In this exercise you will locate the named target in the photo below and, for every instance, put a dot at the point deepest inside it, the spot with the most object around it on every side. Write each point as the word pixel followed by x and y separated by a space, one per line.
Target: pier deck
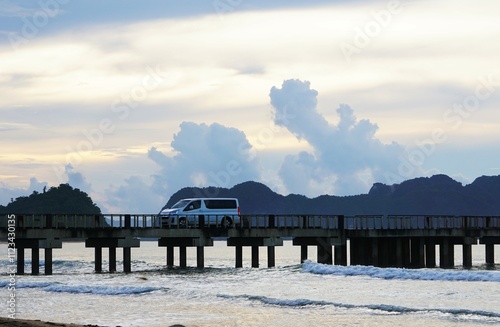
pixel 385 241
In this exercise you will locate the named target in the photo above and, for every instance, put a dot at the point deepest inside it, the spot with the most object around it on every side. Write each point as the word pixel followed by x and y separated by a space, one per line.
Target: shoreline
pixel 9 322
pixel 4 321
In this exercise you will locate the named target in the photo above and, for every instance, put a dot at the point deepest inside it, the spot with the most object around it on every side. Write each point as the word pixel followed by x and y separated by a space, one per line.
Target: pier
pixel 405 241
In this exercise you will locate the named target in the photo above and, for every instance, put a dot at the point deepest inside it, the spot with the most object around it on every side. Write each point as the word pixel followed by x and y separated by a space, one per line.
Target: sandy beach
pixel 35 323
pixel 38 323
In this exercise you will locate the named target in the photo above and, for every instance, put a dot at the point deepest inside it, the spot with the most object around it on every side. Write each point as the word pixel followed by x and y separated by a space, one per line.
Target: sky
pixel 131 101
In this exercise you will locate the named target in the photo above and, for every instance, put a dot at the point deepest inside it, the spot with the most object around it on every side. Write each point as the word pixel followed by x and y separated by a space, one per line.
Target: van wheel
pixel 227 222
pixel 182 222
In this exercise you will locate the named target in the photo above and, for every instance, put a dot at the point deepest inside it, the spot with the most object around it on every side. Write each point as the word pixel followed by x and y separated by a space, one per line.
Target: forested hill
pixel 436 195
pixel 58 200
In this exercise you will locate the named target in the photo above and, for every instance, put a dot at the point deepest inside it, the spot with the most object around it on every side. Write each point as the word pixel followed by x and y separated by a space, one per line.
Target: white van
pixel 200 212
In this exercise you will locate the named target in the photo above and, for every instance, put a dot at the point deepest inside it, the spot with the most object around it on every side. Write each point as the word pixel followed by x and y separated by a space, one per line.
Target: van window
pixel 180 204
pixel 220 204
pixel 193 205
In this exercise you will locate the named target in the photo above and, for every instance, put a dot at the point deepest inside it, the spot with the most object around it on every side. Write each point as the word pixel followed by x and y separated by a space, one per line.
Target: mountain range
pixel 436 195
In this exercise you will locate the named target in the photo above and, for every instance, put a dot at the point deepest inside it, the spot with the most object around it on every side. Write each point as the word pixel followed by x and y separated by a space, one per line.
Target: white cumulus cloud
pixel 346 157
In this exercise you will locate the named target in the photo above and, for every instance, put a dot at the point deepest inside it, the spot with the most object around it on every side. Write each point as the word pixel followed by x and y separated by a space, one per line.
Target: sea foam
pixel 402 273
pixel 82 289
pixel 375 308
pixel 101 290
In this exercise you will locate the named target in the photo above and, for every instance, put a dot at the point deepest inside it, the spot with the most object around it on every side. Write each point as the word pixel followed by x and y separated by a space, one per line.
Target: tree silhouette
pixel 63 199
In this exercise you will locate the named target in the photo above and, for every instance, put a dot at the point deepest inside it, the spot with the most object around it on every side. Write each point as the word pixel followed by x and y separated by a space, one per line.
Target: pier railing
pixel 331 222
pixel 392 222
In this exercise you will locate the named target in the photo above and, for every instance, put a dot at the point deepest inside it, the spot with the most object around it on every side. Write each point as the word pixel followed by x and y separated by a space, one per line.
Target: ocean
pixel 290 294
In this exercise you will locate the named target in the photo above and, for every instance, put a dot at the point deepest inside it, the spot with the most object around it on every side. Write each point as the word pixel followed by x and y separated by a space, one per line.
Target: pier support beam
pixel 387 249
pixel 35 245
pixel 35 261
pixel 254 243
pixel 200 256
pixel 170 256
pixel 98 259
pixel 324 248
pixel 451 255
pixel 430 254
pixel 20 261
pixel 402 254
pixel 112 259
pixel 112 244
pixel 303 253
pixel 340 258
pixel 467 255
pixel 127 258
pixel 239 256
pixel 354 246
pixel 374 252
pixel 417 252
pixel 325 254
pixel 183 243
pixel 490 254
pixel 48 261
pixel 182 256
pixel 271 257
pixel 446 254
pixel 255 256
pixel 406 247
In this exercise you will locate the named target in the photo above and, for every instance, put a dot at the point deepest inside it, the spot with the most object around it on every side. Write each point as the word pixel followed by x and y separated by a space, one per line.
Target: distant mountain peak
pixel 438 194
pixel 381 189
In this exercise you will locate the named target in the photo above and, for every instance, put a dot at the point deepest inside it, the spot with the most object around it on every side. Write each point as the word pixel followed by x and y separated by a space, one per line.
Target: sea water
pixel 290 294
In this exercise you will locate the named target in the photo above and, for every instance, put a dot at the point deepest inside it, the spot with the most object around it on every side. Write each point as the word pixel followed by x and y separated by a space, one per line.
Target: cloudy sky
pixel 131 101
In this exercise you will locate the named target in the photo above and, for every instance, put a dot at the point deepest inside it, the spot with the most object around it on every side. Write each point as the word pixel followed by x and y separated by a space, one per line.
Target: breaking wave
pixel 83 289
pixel 101 290
pixel 27 284
pixel 401 273
pixel 376 308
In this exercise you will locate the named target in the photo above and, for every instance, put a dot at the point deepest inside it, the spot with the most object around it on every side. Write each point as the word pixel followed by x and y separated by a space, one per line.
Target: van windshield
pixel 180 204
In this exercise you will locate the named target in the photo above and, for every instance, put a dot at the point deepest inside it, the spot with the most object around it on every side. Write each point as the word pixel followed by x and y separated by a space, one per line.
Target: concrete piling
pixel 446 254
pixel 375 252
pixel 112 244
pixel 20 261
pixel 271 257
pixel 340 257
pixel 325 254
pixel 127 258
pixel 417 259
pixel 239 256
pixel 200 256
pixel 430 254
pixel 98 259
pixel 112 259
pixel 254 243
pixel 255 256
pixel 35 260
pixel 48 261
pixel 303 253
pixel 170 256
pixel 183 243
pixel 490 254
pixel 467 255
pixel 182 256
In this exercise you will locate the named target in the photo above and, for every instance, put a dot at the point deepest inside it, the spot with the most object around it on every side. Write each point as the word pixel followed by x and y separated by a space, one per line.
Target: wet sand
pixel 35 323
pixel 4 322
